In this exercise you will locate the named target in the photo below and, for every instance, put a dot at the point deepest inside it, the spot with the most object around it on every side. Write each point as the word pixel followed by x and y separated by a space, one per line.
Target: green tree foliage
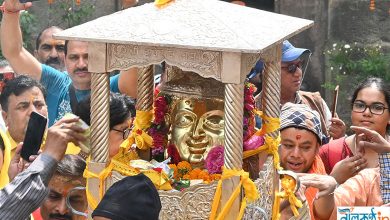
pixel 62 13
pixel 352 63
pixel 70 13
pixel 349 64
pixel 28 25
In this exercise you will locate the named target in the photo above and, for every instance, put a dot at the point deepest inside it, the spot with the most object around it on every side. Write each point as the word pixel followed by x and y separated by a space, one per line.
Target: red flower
pixel 174 154
pixel 161 103
pixel 158 169
pixel 249 107
pixel 159 140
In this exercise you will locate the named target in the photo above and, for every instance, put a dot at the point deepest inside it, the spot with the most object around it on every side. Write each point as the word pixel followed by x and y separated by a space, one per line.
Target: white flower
pixel 347 46
pixel 331 68
pixel 334 45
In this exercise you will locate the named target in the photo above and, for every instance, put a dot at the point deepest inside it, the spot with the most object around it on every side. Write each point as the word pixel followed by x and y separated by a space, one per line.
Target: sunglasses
pixel 292 68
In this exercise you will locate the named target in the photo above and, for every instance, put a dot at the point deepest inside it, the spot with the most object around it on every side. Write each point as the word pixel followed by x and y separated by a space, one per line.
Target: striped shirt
pixel 28 190
pixel 384 169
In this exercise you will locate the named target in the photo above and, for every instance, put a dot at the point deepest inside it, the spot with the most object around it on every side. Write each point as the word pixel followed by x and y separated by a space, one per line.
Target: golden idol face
pixel 197 126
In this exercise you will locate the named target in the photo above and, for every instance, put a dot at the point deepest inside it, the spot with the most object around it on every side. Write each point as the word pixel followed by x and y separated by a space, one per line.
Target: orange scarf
pixel 36 215
pixel 318 168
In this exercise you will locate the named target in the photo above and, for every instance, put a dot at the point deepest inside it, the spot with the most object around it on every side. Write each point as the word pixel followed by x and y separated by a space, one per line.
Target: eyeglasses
pixel 125 132
pixel 376 109
pixel 292 68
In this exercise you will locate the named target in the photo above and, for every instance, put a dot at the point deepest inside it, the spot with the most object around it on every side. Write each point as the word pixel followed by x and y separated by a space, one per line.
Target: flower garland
pixel 173 153
pixel 183 172
pixel 78 2
pixel 249 105
pixel 159 129
pixel 215 159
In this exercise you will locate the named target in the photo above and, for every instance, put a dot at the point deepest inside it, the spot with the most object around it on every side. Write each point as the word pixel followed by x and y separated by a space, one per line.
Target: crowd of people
pixel 335 169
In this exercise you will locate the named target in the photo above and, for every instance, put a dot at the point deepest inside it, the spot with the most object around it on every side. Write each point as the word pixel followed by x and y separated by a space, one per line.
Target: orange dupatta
pixel 317 168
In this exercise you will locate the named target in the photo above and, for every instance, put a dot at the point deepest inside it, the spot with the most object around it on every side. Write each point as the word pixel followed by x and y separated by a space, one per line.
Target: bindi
pixel 298 137
pixel 33 98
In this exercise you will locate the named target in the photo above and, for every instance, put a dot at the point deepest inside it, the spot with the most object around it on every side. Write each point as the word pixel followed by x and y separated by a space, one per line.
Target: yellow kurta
pixel 4 180
pixel 9 152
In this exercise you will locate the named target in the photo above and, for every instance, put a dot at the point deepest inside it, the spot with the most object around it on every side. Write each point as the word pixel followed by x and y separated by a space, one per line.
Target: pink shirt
pixel 359 190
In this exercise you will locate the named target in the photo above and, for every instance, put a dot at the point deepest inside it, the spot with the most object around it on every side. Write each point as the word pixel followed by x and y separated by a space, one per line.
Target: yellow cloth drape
pixel 162 3
pixel 138 135
pixel 271 144
pixel 251 193
pixel 72 149
pixel 288 194
pixel 4 179
pixel 270 125
pixel 93 202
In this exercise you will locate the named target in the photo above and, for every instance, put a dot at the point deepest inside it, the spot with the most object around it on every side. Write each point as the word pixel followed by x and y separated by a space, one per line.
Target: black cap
pixel 132 198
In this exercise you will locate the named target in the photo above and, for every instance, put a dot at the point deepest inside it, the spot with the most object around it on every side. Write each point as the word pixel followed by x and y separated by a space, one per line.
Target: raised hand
pixel 17 164
pixel 337 128
pixel 367 138
pixel 348 167
pixel 60 134
pixel 13 6
pixel 324 183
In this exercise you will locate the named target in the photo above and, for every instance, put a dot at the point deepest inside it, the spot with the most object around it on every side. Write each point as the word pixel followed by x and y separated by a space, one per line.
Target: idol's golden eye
pixel 183 120
pixel 214 122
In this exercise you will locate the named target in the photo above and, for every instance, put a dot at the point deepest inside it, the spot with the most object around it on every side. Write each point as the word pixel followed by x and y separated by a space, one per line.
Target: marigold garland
pixel 78 2
pixel 188 173
pixel 175 171
pixel 183 168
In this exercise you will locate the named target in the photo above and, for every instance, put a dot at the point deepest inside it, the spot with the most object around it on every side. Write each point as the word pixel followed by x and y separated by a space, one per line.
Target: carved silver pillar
pixel 234 109
pixel 145 88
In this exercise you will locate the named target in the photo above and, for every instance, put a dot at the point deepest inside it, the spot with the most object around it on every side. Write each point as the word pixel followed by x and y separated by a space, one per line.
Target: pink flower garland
pixel 158 130
pixel 215 159
pixel 249 105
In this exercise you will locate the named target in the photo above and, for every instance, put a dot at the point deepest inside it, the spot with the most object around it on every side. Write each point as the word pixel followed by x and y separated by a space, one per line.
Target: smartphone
pixel 25 1
pixel 335 97
pixel 33 139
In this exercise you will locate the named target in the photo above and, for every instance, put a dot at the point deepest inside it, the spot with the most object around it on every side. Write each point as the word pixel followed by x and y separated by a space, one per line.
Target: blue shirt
pixel 57 88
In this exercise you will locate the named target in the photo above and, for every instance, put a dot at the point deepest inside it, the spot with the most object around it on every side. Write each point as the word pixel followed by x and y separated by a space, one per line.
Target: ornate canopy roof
pixel 198 24
pixel 210 37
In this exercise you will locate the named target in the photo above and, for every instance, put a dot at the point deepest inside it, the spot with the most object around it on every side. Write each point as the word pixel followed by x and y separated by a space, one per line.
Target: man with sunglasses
pixel 293 66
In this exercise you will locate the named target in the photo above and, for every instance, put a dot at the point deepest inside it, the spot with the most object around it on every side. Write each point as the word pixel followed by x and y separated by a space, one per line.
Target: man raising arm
pixel 65 91
pixel 28 190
